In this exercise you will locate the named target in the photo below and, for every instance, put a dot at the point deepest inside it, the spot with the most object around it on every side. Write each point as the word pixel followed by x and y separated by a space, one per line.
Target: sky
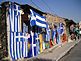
pixel 70 9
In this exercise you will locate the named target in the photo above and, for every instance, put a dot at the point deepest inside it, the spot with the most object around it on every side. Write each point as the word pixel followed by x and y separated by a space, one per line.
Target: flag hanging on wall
pixel 14 17
pixel 37 19
pixel 18 45
pixel 17 40
pixel 61 28
pixel 32 51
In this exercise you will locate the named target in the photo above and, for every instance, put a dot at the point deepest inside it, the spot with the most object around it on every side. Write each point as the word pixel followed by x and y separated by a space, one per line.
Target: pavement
pixel 55 53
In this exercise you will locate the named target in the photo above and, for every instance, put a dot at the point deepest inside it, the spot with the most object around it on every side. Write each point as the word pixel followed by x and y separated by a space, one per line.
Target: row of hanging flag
pixel 20 44
pixel 23 44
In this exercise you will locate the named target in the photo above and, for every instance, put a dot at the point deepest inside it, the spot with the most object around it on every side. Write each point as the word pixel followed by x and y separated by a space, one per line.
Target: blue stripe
pixel 13 46
pixel 16 50
pixel 14 22
pixel 42 22
pixel 19 50
pixel 21 39
pixel 17 24
pixel 16 45
pixel 10 45
pixel 22 47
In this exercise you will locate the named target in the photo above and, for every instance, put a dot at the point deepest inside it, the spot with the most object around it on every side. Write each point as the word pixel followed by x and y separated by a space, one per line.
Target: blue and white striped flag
pixel 37 19
pixel 33 44
pixel 17 39
pixel 61 28
pixel 33 48
pixel 18 45
pixel 15 18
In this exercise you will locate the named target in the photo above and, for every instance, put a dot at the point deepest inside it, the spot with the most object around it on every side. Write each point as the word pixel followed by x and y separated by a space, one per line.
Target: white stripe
pixel 43 45
pixel 18 49
pixel 26 41
pixel 34 45
pixel 33 18
pixel 61 27
pixel 38 17
pixel 26 48
pixel 21 37
pixel 16 23
pixel 12 45
pixel 32 15
pixel 32 12
pixel 15 45
pixel 13 20
pixel 40 24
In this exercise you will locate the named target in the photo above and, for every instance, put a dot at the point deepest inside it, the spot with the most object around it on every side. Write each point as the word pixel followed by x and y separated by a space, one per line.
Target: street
pixel 74 54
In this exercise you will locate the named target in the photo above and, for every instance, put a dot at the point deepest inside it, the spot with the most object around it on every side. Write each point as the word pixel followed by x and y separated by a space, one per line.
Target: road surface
pixel 74 54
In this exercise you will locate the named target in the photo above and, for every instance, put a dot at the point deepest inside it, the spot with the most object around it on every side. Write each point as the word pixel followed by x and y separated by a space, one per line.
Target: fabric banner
pixel 17 40
pixel 37 43
pixel 14 18
pixel 61 28
pixel 33 48
pixel 18 45
pixel 37 19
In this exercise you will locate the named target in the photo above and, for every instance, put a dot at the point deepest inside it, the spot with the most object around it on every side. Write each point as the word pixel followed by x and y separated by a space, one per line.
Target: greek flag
pixel 33 48
pixel 61 28
pixel 18 45
pixel 17 40
pixel 14 18
pixel 38 20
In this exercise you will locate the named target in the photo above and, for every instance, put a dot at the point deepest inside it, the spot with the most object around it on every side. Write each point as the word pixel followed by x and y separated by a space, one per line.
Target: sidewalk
pixel 55 53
